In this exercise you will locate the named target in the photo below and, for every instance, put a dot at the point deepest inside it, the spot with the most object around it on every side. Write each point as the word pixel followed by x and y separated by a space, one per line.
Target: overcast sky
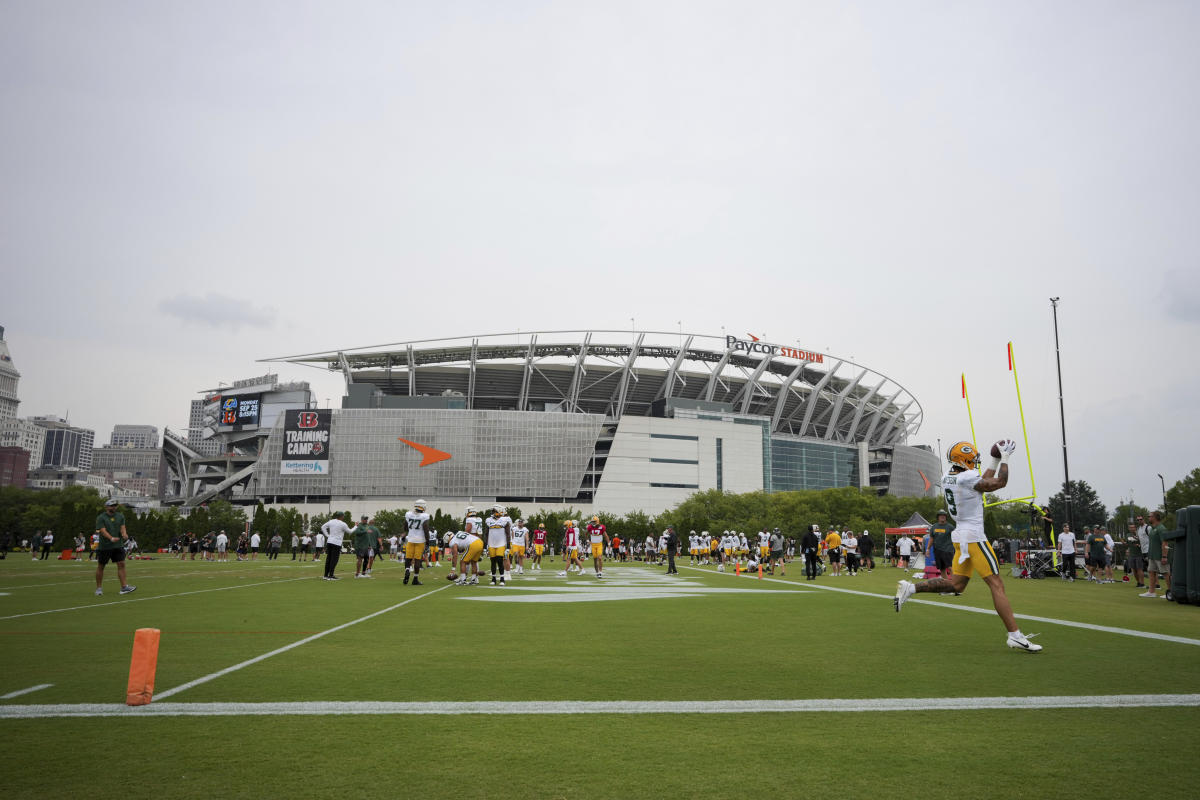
pixel 186 188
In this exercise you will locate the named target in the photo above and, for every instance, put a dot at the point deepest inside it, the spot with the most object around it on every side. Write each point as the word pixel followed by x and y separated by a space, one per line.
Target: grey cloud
pixel 215 310
pixel 1181 291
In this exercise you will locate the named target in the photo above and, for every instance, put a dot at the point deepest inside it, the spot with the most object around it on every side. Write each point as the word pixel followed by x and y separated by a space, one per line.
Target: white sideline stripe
pixel 571 707
pixel 30 690
pixel 190 684
pixel 153 597
pixel 1161 637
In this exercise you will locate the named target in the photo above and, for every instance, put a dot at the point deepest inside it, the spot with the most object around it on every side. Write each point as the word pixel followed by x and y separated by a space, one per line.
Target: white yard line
pixel 292 646
pixel 153 597
pixel 30 690
pixel 1162 637
pixel 959 705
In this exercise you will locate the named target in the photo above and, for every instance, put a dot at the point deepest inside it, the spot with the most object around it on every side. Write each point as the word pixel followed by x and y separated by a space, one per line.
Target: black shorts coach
pixel 116 555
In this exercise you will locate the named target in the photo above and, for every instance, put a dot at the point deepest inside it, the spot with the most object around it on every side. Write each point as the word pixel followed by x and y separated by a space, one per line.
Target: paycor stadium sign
pixel 754 345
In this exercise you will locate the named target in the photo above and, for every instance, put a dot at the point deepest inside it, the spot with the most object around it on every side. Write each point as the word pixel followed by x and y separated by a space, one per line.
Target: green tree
pixel 1184 493
pixel 1086 508
pixel 224 516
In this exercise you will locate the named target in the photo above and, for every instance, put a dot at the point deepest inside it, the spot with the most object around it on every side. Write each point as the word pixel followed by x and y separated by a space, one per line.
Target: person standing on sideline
pixel 110 526
pixel 1066 549
pixel 810 548
pixel 255 543
pixel 334 532
pixel 1135 561
pixel 850 543
pixel 416 522
pixel 1155 555
pixel 905 548
pixel 273 548
pixel 943 547
pixel 364 547
pixel 47 543
pixel 833 546
pixel 295 544
pixel 499 537
pixel 963 487
pixel 222 547
pixel 320 544
pixel 867 545
pixel 776 543
pixel 34 545
pixel 672 545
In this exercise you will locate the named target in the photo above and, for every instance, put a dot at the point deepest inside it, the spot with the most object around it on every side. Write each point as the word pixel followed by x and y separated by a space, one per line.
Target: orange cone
pixel 760 570
pixel 142 667
pixel 738 569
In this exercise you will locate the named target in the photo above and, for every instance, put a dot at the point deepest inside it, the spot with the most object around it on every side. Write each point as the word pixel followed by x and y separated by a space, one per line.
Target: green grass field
pixel 541 653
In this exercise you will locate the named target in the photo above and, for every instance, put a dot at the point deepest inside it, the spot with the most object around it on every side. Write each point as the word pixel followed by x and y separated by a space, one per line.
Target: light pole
pixel 1164 488
pixel 1062 416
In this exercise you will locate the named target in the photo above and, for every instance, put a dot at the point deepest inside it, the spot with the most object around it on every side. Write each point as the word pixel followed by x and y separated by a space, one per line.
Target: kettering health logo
pixel 304 467
pixel 756 345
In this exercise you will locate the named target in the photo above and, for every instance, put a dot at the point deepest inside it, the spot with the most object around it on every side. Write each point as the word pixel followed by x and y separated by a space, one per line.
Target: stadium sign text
pixel 755 346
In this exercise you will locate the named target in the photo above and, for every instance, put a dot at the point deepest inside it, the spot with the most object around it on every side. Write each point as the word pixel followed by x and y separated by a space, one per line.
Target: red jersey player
pixel 598 538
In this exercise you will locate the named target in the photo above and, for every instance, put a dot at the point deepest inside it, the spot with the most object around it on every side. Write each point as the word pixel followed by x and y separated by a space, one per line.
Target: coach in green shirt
pixel 1155 557
pixel 110 527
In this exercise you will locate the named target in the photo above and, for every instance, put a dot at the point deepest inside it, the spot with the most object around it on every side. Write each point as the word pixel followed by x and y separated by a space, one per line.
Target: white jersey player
pixel 963 488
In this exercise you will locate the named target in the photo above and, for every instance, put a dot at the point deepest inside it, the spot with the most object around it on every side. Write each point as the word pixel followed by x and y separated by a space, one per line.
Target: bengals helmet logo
pixel 306 419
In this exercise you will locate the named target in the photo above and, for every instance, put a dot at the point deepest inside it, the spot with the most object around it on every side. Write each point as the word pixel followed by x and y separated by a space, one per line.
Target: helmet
pixel 541 525
pixel 471 510
pixel 419 505
pixel 520 522
pixel 497 509
pixel 596 520
pixel 963 454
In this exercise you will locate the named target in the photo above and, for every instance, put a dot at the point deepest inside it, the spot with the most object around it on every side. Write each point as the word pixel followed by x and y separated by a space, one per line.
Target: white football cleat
pixel 1019 641
pixel 904 591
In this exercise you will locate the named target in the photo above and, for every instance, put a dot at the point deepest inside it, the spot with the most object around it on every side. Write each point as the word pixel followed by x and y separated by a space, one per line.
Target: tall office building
pixel 9 377
pixel 66 445
pixel 143 436
pixel 133 470
pixel 198 422
pixel 26 435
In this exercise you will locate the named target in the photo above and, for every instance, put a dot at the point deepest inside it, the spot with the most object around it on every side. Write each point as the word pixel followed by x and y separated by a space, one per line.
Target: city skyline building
pixel 66 446
pixel 142 436
pixel 9 379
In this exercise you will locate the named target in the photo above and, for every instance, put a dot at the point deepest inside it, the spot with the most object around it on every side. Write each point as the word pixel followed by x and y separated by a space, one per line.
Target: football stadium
pixel 614 421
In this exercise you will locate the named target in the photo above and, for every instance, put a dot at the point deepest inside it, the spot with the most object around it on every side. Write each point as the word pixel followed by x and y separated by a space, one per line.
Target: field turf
pixel 794 679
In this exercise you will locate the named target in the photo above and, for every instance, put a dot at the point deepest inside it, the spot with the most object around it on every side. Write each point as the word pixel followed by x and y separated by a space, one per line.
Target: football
pixel 450 576
pixel 996 449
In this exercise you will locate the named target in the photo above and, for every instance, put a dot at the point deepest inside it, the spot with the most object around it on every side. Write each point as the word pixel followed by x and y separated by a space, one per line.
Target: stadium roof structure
pixel 611 372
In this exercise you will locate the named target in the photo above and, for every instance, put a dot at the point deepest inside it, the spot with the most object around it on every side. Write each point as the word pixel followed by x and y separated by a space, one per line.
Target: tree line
pixel 73 510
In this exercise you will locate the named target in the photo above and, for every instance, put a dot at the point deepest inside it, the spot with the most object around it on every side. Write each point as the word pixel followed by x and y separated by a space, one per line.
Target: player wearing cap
pixel 416 522
pixel 963 487
pixel 110 527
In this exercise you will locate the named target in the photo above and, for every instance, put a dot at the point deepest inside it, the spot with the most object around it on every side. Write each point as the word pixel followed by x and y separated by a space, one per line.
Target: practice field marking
pixel 623 584
pixel 30 690
pixel 1162 637
pixel 155 597
pixel 572 707
pixel 219 673
pixel 88 577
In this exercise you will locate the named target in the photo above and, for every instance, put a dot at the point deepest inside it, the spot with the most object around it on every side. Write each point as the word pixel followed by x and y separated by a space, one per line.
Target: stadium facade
pixel 613 421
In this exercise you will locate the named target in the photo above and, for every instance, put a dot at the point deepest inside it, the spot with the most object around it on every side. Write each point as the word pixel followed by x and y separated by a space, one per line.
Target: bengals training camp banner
pixel 305 442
